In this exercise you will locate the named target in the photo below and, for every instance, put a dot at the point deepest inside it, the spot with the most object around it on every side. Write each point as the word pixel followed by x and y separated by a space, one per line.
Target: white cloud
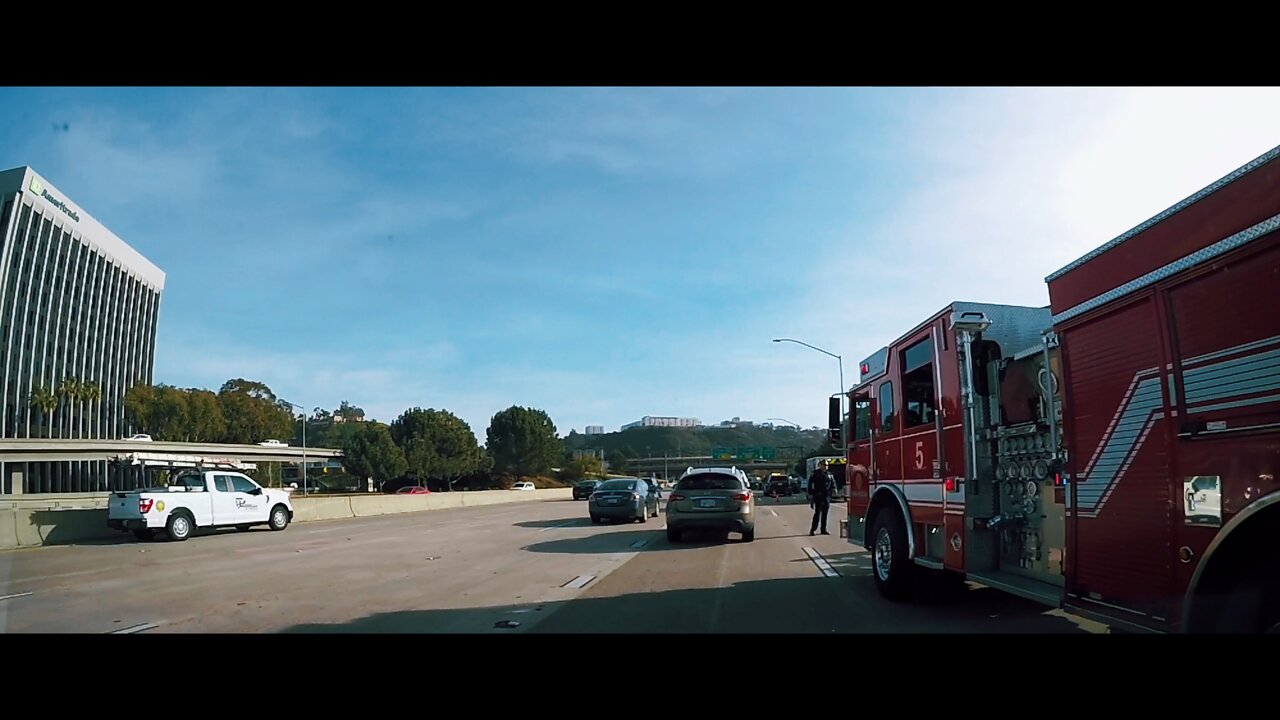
pixel 1012 187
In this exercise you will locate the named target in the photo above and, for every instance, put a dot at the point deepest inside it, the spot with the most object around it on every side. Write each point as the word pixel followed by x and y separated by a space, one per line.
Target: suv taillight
pixel 743 496
pixel 144 505
pixel 675 496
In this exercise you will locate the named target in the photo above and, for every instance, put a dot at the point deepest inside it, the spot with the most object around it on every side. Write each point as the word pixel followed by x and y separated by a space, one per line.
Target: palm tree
pixel 68 393
pixel 46 402
pixel 89 392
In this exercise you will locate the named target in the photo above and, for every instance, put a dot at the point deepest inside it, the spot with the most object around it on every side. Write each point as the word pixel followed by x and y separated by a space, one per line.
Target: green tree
pixel 169 415
pixel 618 461
pixel 92 394
pixel 337 435
pixel 437 444
pixel 252 388
pixel 523 441
pixel 349 412
pixel 68 397
pixel 205 416
pixel 45 401
pixel 253 413
pixel 582 467
pixel 370 452
pixel 139 404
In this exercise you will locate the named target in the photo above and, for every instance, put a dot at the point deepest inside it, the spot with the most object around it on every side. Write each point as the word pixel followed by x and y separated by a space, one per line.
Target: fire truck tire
pixel 1253 605
pixel 890 565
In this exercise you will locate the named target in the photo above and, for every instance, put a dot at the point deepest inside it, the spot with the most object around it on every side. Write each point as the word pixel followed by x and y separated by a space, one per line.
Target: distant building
pixel 654 421
pixel 595 430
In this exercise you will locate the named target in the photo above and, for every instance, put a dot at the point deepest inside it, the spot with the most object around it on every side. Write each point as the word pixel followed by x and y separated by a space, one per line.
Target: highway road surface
pixel 538 567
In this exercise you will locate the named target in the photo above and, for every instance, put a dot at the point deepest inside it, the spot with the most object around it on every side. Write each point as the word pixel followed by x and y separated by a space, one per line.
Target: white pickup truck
pixel 199 499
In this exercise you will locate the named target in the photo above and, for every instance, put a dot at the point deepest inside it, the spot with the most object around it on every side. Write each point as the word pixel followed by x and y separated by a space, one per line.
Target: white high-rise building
pixel 78 311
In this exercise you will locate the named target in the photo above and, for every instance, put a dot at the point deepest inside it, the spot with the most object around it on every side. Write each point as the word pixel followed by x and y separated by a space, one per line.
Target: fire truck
pixel 1115 453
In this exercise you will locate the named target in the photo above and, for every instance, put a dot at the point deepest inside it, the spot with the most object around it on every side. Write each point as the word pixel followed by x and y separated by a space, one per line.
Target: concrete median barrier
pixel 321 508
pixel 63 520
pixel 8 529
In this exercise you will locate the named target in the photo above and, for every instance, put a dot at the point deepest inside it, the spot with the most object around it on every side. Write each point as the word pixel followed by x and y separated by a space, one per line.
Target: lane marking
pixel 15 595
pixel 134 629
pixel 553 527
pixel 821 562
pixel 639 544
pixel 579 582
pixel 773 512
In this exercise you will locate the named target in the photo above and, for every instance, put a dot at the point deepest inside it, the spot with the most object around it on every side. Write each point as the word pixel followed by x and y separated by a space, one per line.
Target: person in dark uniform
pixel 821 485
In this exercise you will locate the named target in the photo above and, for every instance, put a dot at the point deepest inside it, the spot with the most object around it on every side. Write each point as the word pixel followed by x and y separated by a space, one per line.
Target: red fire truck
pixel 1116 453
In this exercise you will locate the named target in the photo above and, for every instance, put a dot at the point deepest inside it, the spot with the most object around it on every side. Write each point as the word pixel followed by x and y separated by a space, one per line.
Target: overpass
pixel 674 466
pixel 46 450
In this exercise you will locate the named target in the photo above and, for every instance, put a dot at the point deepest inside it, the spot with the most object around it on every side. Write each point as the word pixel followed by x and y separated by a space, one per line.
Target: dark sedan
pixel 583 490
pixel 624 499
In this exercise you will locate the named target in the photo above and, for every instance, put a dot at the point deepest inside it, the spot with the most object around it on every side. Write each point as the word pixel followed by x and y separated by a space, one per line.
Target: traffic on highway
pixel 539 565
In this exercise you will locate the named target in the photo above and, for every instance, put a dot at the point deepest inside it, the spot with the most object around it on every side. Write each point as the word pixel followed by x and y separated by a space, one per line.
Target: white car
pixel 139 438
pixel 525 485
pixel 273 443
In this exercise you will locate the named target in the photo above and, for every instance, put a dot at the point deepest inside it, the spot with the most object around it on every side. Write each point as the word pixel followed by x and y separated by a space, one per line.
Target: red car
pixel 413 490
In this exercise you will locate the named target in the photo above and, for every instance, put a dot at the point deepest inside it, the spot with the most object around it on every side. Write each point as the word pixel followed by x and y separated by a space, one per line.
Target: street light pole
pixel 840 362
pixel 304 444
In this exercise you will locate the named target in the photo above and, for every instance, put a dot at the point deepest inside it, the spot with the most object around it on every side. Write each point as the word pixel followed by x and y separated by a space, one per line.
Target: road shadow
pixel 655 541
pixel 75 527
pixel 562 522
pixel 811 605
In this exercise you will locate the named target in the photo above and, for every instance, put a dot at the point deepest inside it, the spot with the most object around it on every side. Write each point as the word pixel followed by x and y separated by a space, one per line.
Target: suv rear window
pixel 709 481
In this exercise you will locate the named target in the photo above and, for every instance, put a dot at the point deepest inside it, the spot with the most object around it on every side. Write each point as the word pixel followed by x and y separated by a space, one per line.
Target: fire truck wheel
pixel 1253 605
pixel 891 567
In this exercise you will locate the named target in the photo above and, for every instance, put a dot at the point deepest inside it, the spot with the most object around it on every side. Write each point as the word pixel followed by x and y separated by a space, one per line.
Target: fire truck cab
pixel 939 482
pixel 1117 452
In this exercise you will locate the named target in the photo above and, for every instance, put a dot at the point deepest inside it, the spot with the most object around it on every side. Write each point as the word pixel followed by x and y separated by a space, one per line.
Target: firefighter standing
pixel 821 485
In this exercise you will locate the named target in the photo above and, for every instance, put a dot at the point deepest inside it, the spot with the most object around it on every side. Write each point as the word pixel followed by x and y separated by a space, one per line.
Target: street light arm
pixel 798 342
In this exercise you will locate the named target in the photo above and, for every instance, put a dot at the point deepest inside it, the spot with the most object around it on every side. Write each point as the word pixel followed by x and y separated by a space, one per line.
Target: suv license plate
pixel 708 503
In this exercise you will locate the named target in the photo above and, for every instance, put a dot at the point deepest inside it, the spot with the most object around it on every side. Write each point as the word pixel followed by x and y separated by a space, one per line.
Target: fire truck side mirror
pixel 833 420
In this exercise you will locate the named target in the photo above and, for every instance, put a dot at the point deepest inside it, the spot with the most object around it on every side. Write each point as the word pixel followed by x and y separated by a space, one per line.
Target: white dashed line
pixel 821 562
pixel 773 512
pixel 15 595
pixel 579 582
pixel 639 544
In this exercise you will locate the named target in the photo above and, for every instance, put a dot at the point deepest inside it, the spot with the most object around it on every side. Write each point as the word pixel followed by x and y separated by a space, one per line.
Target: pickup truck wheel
pixel 279 518
pixel 179 527
pixel 144 535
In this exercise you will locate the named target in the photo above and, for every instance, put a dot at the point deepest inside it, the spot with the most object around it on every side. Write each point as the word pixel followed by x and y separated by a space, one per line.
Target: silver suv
pixel 712 498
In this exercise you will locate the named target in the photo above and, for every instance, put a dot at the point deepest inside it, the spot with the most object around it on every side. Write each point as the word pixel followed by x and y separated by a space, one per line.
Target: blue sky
pixel 603 253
